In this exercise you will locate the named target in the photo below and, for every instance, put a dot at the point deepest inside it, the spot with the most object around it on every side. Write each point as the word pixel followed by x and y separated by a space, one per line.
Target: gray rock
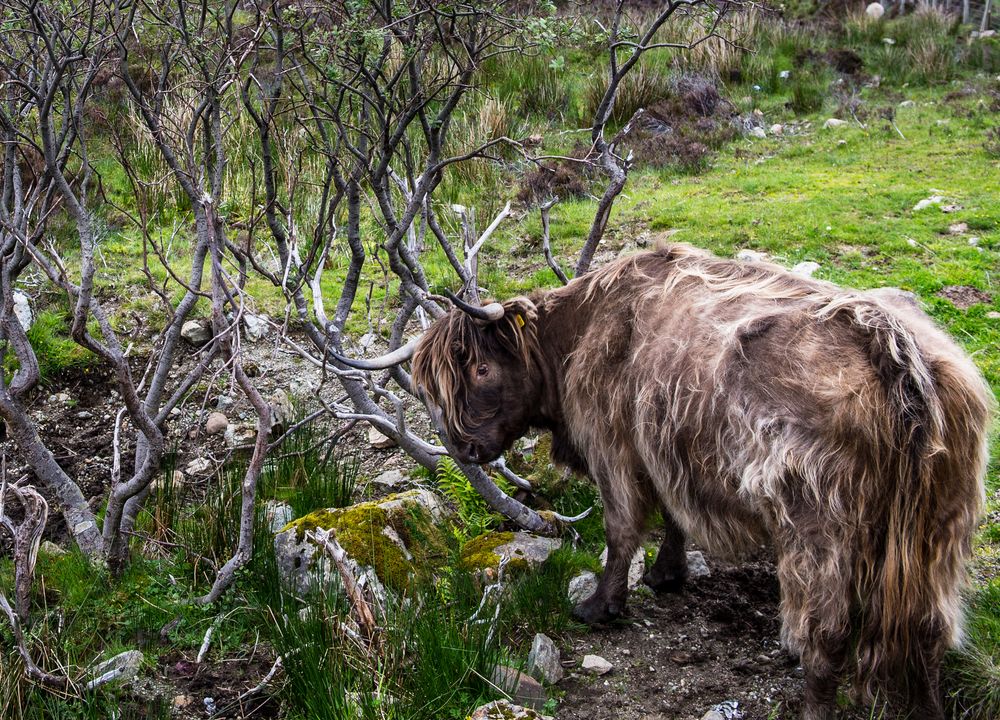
pixel 928 202
pixel 255 326
pixel 196 332
pixel 120 668
pixel 834 123
pixel 635 569
pixel 523 689
pixel 533 549
pixel 22 310
pixel 758 132
pixel 282 410
pixel 302 566
pixel 379 441
pixel 596 665
pixel 777 129
pixel 907 104
pixel 697 567
pixel 277 515
pixel 726 710
pixel 176 481
pixel 51 549
pixel 390 479
pixel 216 423
pixel 544 660
pixel 806 269
pixel 198 466
pixel 582 586
pixel 750 256
pixel 993 315
pixel 505 710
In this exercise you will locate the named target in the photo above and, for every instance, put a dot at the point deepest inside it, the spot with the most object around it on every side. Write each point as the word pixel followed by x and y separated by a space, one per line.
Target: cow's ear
pixel 520 311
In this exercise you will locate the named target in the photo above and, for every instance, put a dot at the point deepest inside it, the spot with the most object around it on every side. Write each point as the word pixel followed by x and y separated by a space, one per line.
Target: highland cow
pixel 748 404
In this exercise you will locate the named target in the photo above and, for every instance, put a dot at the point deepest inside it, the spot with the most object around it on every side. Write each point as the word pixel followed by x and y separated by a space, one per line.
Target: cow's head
pixel 477 368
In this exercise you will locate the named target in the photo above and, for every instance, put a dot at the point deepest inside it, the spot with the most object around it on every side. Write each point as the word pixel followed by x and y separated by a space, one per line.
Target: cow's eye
pixel 483 370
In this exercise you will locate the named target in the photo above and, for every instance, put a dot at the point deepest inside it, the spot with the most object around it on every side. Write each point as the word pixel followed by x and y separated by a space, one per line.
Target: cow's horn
pixel 491 312
pixel 397 356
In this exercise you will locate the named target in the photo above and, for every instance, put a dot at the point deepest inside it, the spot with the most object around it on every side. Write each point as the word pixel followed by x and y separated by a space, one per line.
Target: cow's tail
pixel 913 566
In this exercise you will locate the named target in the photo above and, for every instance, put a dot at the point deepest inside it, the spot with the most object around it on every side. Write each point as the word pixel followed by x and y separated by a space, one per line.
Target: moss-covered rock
pixel 399 537
pixel 524 551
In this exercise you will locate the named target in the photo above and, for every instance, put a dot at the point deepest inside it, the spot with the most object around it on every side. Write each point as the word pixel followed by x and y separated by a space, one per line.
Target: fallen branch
pixel 362 610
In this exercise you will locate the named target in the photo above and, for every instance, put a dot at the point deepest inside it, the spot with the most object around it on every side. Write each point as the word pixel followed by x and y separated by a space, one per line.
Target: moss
pixel 359 529
pixel 480 553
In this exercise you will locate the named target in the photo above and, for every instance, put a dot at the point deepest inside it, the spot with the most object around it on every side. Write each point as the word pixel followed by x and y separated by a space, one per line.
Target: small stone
pixel 907 104
pixel 176 480
pixel 277 515
pixel 125 666
pixel 84 415
pixel 758 132
pixel 888 41
pixel 806 269
pixel 198 466
pixel 544 660
pixel 777 129
pixel 993 315
pixel 216 423
pixel 196 332
pixel 256 326
pixel 523 689
pixel 22 310
pixel 950 208
pixel 390 479
pixel 635 569
pixel 725 710
pixel 750 256
pixel 582 586
pixel 181 701
pixel 51 549
pixel 973 241
pixel 596 665
pixel 282 410
pixel 505 710
pixel 928 202
pixel 875 10
pixel 958 228
pixel 379 441
pixel 697 567
pixel 834 123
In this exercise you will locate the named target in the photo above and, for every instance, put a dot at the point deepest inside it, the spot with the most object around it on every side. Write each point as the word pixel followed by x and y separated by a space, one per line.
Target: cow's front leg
pixel 670 570
pixel 623 519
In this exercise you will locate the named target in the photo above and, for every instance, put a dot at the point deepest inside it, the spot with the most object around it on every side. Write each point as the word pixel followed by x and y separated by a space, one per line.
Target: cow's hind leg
pixel 670 570
pixel 624 513
pixel 815 619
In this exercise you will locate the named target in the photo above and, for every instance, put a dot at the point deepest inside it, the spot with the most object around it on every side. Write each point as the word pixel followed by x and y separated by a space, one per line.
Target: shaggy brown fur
pixel 750 404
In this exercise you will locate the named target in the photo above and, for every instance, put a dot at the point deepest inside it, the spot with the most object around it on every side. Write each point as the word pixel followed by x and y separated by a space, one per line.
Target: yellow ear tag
pixel 519 319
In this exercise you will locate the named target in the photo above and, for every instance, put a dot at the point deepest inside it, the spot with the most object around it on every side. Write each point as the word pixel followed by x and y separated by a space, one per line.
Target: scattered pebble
pixel 806 268
pixel 928 202
pixel 834 123
pixel 758 132
pixel 777 129
pixel 958 228
pixel 582 586
pixel 596 665
pixel 697 567
pixel 379 441
pixel 751 256
pixel 875 10
pixel 216 423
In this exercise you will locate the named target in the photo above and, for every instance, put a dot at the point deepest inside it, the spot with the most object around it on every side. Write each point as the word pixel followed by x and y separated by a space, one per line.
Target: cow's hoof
pixel 596 611
pixel 664 583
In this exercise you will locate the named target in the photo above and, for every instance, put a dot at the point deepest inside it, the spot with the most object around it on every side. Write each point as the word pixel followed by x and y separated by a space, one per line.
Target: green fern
pixel 473 511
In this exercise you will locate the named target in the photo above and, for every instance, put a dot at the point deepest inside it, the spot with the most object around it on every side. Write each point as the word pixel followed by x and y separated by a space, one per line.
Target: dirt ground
pixel 679 655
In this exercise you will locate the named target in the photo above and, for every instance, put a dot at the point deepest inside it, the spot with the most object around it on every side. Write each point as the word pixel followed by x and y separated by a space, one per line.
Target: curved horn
pixel 491 312
pixel 397 356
